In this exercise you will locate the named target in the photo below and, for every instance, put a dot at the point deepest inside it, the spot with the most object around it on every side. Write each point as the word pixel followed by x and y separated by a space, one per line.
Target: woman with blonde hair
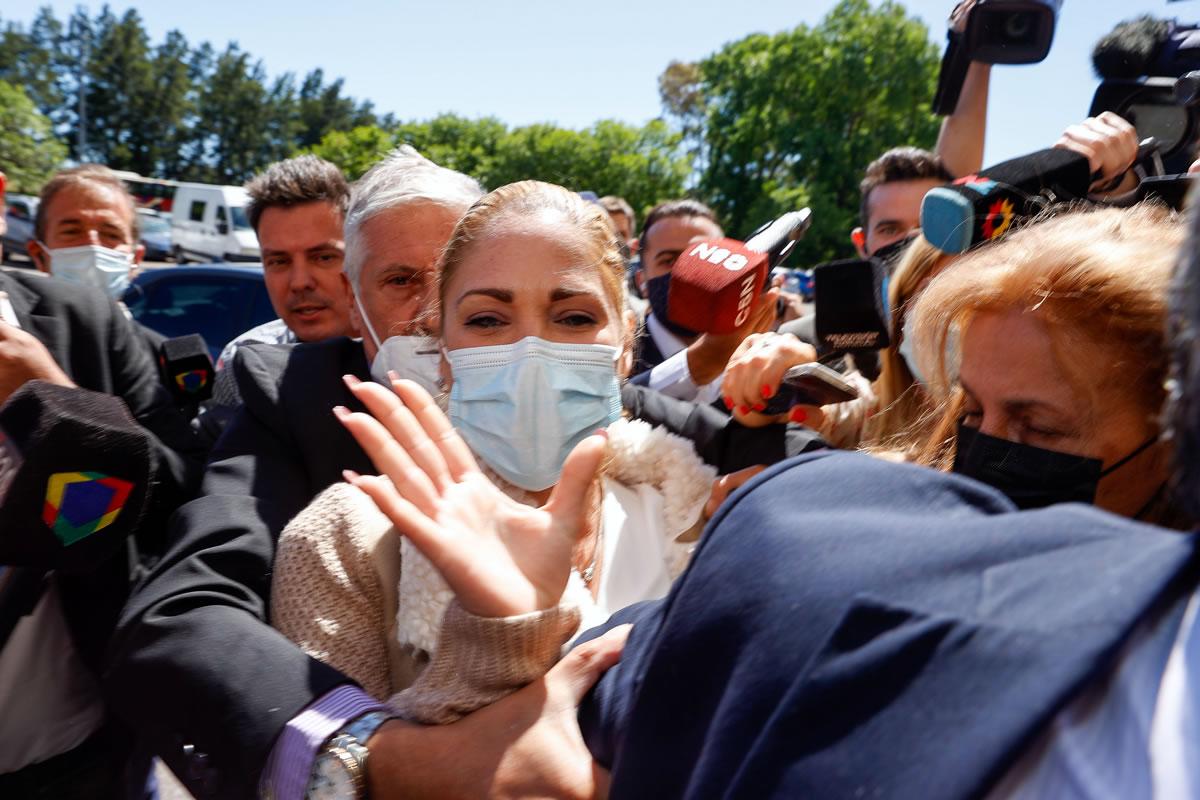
pixel 1054 388
pixel 535 339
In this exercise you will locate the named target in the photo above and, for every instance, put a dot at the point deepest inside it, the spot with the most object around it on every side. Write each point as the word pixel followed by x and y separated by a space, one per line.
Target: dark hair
pixel 84 175
pixel 900 164
pixel 304 179
pixel 1183 406
pixel 675 208
pixel 619 205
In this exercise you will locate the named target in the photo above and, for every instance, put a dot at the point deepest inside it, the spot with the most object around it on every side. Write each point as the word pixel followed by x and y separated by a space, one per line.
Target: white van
pixel 208 223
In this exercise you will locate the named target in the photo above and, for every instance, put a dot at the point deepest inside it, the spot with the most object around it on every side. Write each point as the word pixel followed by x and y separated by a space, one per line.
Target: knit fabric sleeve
pixel 325 592
pixel 479 660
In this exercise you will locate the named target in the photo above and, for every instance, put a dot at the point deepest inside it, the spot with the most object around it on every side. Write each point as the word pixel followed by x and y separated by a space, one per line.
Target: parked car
pixel 209 223
pixel 216 301
pixel 18 216
pixel 156 235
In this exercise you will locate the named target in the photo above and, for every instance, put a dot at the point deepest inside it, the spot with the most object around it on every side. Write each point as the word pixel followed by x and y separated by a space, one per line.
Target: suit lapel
pixel 49 329
pixel 905 702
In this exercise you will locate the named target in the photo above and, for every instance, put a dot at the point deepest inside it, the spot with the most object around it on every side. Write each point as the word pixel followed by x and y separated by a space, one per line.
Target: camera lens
pixel 1018 26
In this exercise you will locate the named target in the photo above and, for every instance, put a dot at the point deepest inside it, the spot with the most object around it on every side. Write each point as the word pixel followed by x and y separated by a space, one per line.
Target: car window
pixel 240 221
pixel 153 224
pixel 196 212
pixel 220 213
pixel 212 306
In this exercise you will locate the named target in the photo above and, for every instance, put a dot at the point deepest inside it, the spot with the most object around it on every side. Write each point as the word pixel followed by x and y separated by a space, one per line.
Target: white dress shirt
pixel 673 377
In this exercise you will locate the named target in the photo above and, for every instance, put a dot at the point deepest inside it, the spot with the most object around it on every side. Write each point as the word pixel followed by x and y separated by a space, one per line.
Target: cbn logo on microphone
pixel 80 503
pixel 723 256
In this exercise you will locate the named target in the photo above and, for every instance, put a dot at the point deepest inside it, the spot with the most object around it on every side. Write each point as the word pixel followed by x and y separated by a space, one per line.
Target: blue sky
pixel 573 63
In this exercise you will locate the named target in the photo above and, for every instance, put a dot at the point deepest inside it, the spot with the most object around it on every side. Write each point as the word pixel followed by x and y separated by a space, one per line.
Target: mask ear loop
pixel 363 313
pixel 1137 452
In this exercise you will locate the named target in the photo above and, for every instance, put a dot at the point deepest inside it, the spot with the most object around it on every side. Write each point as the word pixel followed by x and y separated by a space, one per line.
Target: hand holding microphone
pixel 1110 144
pixel 22 359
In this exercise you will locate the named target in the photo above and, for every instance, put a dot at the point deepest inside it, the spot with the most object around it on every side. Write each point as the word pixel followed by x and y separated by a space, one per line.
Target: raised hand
pixel 501 558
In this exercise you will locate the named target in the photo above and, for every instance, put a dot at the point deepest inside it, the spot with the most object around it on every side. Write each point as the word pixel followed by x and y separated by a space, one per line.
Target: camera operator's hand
pixel 500 557
pixel 1110 145
pixel 709 354
pixel 23 359
pixel 958 17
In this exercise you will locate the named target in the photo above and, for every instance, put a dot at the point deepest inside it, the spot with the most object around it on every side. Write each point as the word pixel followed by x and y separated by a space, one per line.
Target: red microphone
pixel 714 283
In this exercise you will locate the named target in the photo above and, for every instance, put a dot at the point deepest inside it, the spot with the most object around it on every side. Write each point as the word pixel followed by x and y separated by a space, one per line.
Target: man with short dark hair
pixel 670 358
pixel 892 190
pixel 623 218
pixel 297 208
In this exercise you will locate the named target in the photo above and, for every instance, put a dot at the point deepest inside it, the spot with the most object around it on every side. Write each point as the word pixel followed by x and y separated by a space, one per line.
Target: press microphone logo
pixel 193 381
pixel 998 220
pixel 721 256
pixel 80 503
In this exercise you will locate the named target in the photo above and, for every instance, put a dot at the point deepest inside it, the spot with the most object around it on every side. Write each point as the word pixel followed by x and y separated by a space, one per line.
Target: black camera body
pixel 1153 107
pixel 1011 31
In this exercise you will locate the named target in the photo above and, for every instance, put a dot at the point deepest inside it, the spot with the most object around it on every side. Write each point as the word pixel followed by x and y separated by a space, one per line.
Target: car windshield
pixel 239 218
pixel 154 224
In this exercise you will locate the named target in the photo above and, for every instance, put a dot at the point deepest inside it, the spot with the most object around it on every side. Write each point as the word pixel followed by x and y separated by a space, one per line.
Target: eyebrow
pixel 1017 405
pixel 503 295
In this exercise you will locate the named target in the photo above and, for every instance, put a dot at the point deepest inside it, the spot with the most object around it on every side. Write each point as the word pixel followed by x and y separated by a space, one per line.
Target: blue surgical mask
pixel 92 265
pixel 523 407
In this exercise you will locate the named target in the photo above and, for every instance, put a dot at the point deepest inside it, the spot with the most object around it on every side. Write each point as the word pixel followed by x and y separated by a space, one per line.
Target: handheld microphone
pixel 852 306
pixel 979 208
pixel 187 368
pixel 75 472
pixel 714 283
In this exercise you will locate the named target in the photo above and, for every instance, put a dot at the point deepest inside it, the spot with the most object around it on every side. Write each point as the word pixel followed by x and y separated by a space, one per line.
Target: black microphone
pixel 187 368
pixel 75 473
pixel 852 305
pixel 979 208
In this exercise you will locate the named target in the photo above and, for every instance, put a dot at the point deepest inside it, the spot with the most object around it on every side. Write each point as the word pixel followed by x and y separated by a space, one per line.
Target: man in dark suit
pixel 74 336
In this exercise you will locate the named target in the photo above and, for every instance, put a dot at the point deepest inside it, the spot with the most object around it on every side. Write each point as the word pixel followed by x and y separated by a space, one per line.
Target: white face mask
pixel 907 352
pixel 92 265
pixel 415 358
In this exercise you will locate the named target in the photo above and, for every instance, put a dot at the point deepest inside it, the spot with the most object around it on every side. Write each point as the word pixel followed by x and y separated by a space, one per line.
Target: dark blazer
pixel 646 356
pixel 100 349
pixel 854 628
pixel 195 662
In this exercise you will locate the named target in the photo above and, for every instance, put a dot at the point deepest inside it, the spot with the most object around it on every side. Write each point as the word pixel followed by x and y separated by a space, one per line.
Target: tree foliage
pixel 642 164
pixel 791 118
pixel 29 153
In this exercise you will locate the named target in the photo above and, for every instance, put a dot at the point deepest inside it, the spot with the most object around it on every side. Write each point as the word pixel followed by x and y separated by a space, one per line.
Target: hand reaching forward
pixel 501 558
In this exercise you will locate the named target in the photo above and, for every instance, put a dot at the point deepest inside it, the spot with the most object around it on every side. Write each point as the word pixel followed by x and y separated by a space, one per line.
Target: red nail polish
pixel 729 403
pixel 766 392
pixel 760 407
pixel 798 415
pixel 743 409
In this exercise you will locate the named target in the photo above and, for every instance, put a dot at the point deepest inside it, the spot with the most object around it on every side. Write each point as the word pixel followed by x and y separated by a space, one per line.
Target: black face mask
pixel 1032 477
pixel 890 254
pixel 657 290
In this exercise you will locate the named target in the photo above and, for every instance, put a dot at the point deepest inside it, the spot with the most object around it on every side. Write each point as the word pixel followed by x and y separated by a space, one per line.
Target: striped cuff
pixel 286 774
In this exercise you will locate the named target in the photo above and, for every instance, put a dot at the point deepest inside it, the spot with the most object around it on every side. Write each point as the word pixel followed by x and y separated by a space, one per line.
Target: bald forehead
pixel 89 204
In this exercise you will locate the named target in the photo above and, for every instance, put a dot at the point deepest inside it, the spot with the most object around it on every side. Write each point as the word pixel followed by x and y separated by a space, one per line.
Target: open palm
pixel 500 557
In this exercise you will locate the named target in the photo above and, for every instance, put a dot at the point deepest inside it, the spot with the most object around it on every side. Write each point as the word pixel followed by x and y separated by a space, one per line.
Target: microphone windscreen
pixel 979 208
pixel 851 305
pixel 77 476
pixel 714 285
pixel 187 367
pixel 1131 48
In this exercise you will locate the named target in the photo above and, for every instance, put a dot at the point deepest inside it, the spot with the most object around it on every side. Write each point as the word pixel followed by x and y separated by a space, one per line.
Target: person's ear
pixel 859 237
pixel 356 326
pixel 39 255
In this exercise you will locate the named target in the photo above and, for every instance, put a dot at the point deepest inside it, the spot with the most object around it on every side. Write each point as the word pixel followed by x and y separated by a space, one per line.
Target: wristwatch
pixel 340 769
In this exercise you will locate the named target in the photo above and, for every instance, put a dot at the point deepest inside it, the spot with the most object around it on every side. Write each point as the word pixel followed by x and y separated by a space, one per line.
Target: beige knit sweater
pixel 338 568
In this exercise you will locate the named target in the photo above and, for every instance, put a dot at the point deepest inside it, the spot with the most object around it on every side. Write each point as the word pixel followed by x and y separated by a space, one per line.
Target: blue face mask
pixel 523 407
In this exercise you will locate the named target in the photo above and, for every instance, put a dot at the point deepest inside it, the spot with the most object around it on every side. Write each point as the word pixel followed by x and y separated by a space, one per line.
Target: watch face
pixel 331 780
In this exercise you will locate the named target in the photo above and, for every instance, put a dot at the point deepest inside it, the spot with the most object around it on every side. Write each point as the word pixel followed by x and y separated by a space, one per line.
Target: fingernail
pixel 798 415
pixel 760 407
pixel 728 403
pixel 350 381
pixel 350 475
pixel 743 409
pixel 766 392
pixel 601 432
pixel 341 412
pixel 393 376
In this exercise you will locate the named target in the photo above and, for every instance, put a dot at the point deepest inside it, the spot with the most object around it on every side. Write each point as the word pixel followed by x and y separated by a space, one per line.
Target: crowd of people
pixel 475 517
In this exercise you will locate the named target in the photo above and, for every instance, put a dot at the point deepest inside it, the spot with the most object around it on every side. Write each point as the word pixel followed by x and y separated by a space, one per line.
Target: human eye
pixel 576 319
pixel 484 321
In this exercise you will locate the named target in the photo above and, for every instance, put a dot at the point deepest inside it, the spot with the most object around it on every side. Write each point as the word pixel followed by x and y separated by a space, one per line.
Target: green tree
pixel 466 145
pixel 29 152
pixel 795 117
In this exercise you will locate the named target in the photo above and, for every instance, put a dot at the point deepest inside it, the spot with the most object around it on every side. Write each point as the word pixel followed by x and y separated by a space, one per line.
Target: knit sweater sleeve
pixel 479 660
pixel 326 594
